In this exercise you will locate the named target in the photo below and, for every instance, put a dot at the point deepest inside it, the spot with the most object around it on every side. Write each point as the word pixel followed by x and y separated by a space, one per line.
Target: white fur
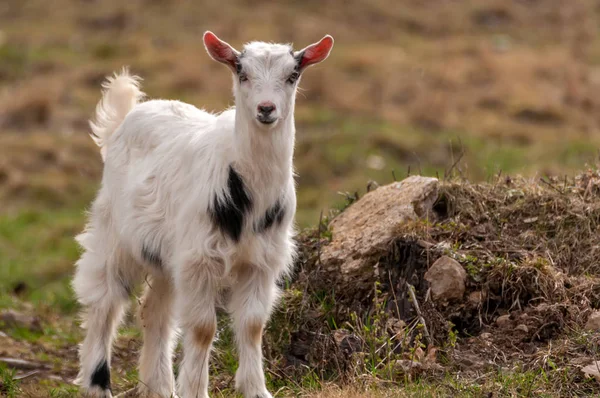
pixel 165 163
pixel 120 94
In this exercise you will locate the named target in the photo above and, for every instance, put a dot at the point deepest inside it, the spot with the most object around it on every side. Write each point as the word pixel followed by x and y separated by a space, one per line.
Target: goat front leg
pixel 196 287
pixel 251 302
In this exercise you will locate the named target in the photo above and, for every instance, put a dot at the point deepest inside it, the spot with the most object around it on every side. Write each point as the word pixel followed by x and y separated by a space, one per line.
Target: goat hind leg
pixel 104 299
pixel 156 317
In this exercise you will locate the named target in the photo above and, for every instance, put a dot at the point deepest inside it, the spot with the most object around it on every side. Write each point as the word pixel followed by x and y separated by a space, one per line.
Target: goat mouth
pixel 266 120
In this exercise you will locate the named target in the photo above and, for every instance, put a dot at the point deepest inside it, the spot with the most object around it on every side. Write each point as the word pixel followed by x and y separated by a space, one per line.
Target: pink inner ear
pixel 219 50
pixel 316 53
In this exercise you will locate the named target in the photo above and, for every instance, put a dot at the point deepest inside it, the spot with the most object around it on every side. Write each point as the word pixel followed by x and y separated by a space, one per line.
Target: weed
pixel 8 384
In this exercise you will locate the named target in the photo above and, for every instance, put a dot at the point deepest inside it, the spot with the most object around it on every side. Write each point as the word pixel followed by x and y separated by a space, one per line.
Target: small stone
pixel 592 370
pixel 395 326
pixel 347 341
pixel 16 319
pixel 476 298
pixel 407 365
pixel 522 328
pixel 593 322
pixel 446 278
pixel 503 321
pixel 424 244
pixel 580 361
pixel 485 336
pixel 470 361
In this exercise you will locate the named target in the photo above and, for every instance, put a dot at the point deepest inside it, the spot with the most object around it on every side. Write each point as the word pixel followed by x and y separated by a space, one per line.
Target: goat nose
pixel 266 108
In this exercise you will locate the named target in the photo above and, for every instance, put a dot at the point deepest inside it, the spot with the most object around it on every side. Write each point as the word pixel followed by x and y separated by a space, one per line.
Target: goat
pixel 200 204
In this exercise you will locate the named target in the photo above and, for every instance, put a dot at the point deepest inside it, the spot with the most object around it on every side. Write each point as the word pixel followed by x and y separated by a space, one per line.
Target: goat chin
pixel 196 201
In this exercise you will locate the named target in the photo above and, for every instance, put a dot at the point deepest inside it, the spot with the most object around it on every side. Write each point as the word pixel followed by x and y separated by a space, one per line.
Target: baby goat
pixel 202 204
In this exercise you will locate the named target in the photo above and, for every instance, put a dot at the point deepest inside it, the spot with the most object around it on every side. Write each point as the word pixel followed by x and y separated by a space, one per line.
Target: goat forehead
pixel 260 55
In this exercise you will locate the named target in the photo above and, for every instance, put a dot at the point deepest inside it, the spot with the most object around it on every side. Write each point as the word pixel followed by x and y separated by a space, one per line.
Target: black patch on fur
pixel 238 63
pixel 151 257
pixel 101 376
pixel 273 215
pixel 298 59
pixel 228 214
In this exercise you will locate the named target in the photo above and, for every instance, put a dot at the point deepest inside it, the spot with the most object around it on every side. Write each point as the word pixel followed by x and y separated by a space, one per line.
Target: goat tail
pixel 120 93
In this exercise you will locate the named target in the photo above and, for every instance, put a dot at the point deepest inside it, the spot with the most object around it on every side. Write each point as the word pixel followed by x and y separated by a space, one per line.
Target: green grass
pixel 36 244
pixel 64 391
pixel 39 250
pixel 333 151
pixel 9 386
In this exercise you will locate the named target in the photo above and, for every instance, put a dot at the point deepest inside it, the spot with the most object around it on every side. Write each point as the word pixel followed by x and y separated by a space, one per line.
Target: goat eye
pixel 293 77
pixel 243 77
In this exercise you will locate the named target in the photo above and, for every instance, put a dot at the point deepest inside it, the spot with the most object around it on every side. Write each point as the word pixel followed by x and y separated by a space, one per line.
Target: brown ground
pixel 513 84
pixel 531 253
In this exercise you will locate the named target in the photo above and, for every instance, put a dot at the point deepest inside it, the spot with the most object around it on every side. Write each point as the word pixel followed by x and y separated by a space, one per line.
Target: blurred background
pixel 476 87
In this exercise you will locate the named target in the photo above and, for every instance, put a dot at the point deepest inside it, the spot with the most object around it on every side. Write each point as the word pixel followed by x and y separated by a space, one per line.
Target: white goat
pixel 202 204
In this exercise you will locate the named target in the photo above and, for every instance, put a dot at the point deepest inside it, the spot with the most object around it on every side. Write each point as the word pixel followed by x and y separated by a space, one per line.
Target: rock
pixel 470 361
pixel 395 326
pixel 476 298
pixel 485 336
pixel 347 341
pixel 503 321
pixel 522 328
pixel 15 319
pixel 365 229
pixel 592 370
pixel 593 322
pixel 580 361
pixel 408 366
pixel 446 278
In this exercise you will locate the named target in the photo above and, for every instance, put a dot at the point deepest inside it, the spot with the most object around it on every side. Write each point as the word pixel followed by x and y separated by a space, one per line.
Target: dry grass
pixel 405 79
pixel 530 249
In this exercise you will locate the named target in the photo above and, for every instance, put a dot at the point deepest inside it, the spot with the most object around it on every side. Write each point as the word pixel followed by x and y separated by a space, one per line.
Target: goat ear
pixel 314 53
pixel 219 50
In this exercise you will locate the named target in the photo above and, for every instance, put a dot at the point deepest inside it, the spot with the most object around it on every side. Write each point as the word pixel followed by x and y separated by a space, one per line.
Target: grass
pixel 481 88
pixel 38 253
pixel 9 386
pixel 48 235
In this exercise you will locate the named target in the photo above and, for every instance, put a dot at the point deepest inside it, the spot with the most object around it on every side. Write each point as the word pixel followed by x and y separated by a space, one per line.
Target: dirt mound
pixel 531 254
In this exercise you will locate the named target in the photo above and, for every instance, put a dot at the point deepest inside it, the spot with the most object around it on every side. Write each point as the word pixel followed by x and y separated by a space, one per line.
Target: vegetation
pixel 531 256
pixel 468 91
pixel 408 85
